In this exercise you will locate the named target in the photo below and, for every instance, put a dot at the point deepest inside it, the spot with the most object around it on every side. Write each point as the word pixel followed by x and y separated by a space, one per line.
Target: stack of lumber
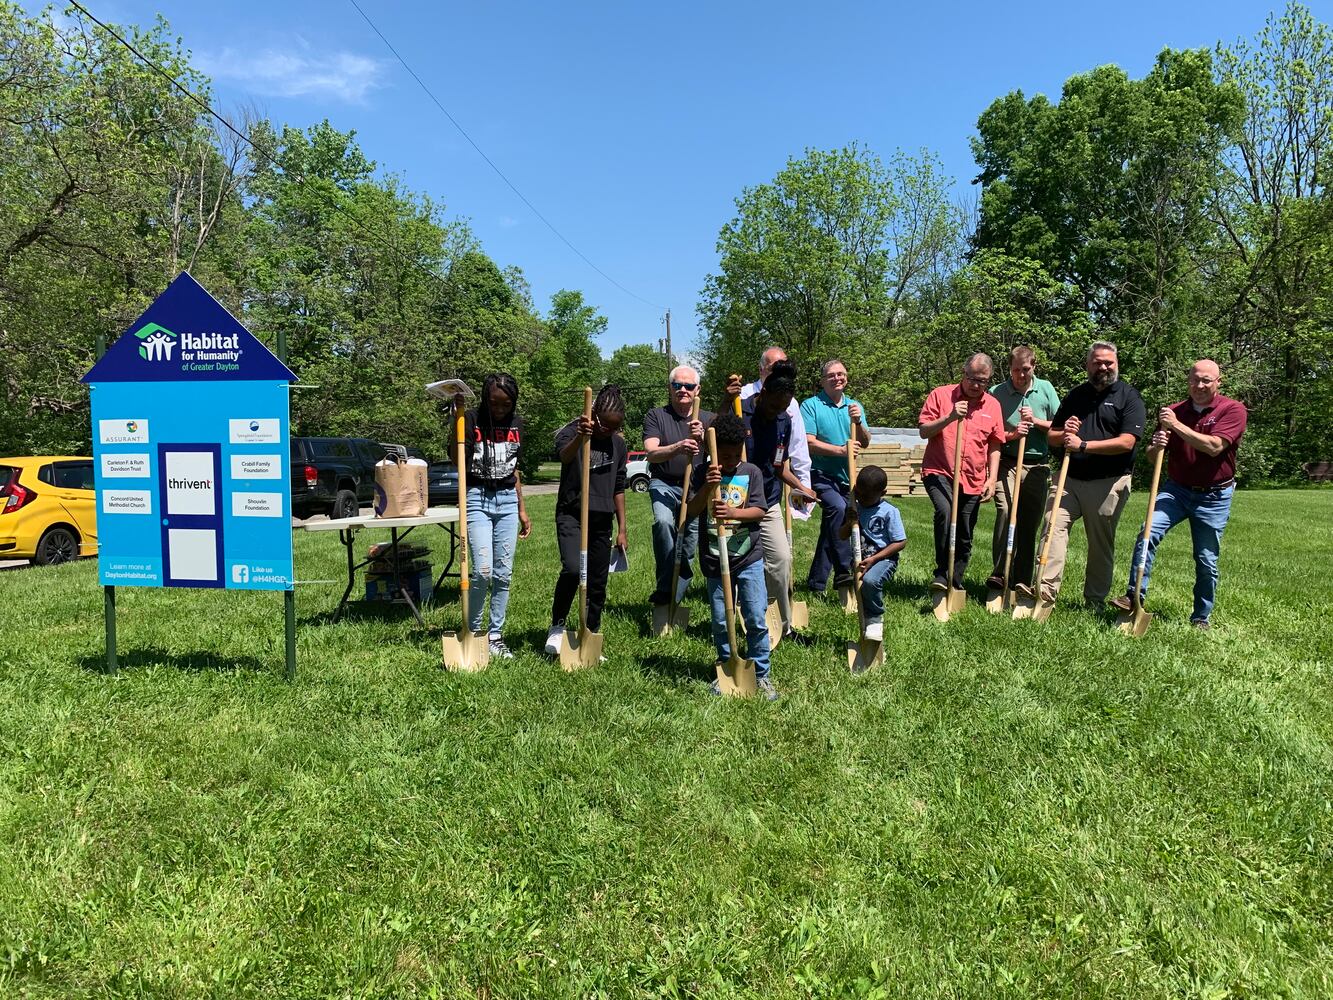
pixel 902 465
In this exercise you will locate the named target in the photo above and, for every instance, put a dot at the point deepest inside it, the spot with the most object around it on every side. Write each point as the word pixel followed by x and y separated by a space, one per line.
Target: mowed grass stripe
pixel 1003 810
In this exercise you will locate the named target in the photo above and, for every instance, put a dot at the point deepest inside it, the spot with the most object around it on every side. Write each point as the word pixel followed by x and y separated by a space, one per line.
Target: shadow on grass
pixel 362 611
pixel 198 661
pixel 678 668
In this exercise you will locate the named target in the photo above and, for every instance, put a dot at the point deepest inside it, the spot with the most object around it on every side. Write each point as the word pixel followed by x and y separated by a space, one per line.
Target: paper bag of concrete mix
pixel 399 488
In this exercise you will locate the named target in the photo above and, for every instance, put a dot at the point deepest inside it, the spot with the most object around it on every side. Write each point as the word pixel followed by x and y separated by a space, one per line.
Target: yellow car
pixel 48 510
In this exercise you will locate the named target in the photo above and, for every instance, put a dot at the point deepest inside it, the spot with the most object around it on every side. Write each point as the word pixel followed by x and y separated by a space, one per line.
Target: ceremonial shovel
pixel 735 676
pixel 950 601
pixel 1136 621
pixel 1032 606
pixel 997 601
pixel 462 649
pixel 669 616
pixel 583 648
pixel 863 653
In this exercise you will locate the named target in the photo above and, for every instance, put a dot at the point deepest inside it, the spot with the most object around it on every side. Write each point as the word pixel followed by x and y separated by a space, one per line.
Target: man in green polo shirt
pixel 1028 404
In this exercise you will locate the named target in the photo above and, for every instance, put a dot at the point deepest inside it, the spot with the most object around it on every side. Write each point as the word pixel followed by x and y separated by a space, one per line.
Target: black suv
pixel 333 475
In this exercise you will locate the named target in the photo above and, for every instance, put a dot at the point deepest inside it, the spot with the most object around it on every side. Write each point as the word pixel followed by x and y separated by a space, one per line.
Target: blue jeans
pixel 492 532
pixel 666 500
pixel 872 587
pixel 751 607
pixel 1207 514
pixel 831 552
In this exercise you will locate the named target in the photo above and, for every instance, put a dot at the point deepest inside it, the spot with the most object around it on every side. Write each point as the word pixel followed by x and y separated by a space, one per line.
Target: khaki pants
pixel 777 561
pixel 1099 503
pixel 1031 507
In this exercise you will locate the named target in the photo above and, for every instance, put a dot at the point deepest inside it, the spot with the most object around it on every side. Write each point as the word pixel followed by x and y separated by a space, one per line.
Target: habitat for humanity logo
pixel 157 342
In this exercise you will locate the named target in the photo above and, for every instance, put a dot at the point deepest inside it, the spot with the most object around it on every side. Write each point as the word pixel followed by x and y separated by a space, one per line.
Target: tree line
pixel 1181 215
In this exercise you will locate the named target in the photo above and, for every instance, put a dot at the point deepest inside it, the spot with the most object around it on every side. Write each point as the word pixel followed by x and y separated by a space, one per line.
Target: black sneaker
pixel 939 585
pixel 844 580
pixel 1123 603
pixel 995 583
pixel 657 598
pixel 498 648
pixel 1200 623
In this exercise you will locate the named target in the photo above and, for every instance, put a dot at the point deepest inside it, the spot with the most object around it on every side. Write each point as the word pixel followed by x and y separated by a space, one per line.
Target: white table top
pixel 435 515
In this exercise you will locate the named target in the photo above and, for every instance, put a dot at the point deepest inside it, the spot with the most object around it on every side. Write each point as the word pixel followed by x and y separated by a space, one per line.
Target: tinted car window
pixel 44 474
pixel 6 474
pixel 74 475
pixel 371 451
pixel 334 448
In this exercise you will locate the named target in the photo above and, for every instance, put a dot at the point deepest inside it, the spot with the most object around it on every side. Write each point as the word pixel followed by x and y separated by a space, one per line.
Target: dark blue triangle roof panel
pixel 186 335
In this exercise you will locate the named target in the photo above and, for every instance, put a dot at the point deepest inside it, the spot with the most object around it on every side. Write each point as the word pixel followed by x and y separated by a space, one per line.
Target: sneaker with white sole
pixel 766 689
pixel 875 631
pixel 555 636
pixel 498 648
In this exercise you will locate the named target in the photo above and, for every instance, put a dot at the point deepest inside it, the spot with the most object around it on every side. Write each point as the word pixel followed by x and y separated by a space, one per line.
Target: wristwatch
pixel 1082 447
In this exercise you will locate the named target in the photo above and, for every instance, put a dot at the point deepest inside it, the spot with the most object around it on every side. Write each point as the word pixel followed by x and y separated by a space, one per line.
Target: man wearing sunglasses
pixel 672 441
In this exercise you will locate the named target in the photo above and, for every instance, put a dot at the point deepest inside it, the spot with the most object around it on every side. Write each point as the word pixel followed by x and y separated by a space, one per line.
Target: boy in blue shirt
pixel 882 537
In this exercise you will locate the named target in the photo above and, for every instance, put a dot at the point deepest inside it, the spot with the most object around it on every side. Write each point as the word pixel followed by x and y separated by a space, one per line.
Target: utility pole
pixel 668 339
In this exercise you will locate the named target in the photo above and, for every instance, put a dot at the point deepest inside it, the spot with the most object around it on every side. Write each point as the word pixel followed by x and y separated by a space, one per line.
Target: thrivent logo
pixel 157 342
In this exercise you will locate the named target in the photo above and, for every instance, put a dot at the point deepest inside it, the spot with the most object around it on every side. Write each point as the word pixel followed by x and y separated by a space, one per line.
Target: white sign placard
pixel 127 501
pixel 127 430
pixel 190 485
pixel 256 505
pixel 131 465
pixel 192 553
pixel 255 430
pixel 256 466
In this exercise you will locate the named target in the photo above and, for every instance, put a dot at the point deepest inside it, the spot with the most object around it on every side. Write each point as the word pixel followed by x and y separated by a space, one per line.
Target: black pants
pixel 940 489
pixel 599 563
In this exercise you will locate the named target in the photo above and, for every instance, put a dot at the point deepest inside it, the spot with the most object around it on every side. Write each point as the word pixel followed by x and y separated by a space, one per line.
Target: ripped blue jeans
pixel 492 533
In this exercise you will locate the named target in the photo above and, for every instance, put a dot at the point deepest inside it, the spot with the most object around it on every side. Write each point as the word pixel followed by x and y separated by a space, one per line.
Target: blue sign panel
pixel 191 451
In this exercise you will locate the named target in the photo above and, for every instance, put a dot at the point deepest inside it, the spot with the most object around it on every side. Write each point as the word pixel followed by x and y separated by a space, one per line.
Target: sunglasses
pixel 691 386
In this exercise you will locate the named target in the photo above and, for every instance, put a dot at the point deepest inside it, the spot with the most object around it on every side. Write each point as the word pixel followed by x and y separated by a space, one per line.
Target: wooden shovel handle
pixel 953 503
pixel 1147 527
pixel 460 432
pixel 723 556
pixel 1050 521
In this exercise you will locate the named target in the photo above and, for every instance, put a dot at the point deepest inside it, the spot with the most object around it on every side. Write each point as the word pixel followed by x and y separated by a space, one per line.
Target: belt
pixel 668 480
pixel 1208 489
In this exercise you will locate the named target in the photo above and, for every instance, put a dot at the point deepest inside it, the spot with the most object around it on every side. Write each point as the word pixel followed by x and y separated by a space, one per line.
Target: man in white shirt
pixel 799 454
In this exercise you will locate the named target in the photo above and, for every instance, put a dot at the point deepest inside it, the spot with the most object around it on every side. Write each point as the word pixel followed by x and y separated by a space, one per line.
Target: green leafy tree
pixel 644 385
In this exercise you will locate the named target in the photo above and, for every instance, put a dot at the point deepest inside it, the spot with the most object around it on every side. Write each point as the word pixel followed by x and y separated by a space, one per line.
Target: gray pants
pixel 777 561
pixel 1099 502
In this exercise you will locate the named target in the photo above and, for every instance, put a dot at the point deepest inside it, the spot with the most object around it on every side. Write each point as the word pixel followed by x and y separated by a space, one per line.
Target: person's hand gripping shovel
pixel 583 648
pixel 1135 621
pixel 463 650
pixel 672 616
pixel 949 600
pixel 735 676
pixel 863 653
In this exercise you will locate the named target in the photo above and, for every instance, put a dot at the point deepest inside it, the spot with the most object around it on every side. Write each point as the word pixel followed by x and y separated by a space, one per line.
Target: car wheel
pixel 345 505
pixel 639 484
pixel 58 545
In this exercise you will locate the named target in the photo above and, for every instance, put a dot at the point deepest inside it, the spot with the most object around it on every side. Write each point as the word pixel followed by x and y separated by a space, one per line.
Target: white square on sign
pixel 191 487
pixel 192 553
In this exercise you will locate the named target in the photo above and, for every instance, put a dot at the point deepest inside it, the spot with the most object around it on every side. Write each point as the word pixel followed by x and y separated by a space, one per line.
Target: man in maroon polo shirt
pixel 1200 435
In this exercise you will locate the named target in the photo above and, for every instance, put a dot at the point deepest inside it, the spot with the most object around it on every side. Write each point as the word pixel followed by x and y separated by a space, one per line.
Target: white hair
pixel 671 376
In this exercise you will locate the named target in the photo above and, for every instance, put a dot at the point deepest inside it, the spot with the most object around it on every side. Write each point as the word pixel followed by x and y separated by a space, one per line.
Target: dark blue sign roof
pixel 187 336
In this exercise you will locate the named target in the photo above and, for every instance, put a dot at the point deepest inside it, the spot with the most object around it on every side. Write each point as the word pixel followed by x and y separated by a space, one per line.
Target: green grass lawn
pixel 1004 809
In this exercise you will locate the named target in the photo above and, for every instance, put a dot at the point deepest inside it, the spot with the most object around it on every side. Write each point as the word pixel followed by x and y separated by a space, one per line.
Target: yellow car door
pixel 73 482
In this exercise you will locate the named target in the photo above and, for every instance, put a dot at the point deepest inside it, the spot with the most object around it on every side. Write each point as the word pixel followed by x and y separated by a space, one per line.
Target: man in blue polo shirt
pixel 829 417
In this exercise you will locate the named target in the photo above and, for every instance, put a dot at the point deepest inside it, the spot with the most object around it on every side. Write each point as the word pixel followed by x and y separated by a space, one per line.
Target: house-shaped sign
pixel 191 453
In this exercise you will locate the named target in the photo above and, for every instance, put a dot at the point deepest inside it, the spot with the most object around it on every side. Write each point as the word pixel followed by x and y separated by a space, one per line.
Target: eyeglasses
pixel 691 386
pixel 976 381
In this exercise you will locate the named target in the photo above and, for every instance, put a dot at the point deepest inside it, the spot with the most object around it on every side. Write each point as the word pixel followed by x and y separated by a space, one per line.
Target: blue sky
pixel 631 126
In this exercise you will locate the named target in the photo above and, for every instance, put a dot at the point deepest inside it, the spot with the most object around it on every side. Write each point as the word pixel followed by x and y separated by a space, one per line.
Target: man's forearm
pixel 1209 444
pixel 929 428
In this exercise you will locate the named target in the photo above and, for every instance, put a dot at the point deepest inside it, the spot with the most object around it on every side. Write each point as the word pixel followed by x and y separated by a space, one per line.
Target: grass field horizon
pixel 1004 809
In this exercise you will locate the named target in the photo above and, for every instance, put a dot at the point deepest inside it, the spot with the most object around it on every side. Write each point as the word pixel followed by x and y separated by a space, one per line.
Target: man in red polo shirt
pixel 983 434
pixel 1200 435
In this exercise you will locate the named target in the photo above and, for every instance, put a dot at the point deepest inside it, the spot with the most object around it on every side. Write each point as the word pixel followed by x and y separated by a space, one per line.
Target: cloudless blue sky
pixel 633 126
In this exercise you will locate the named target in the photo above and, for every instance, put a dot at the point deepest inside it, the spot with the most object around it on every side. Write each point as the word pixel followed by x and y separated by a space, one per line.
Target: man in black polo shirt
pixel 672 441
pixel 1100 424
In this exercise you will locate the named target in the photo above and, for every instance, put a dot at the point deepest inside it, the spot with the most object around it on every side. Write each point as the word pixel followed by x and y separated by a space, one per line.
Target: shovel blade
pixel 994 601
pixel 800 615
pixel 773 619
pixel 736 678
pixel 664 621
pixel 581 649
pixel 465 651
pixel 863 655
pixel 939 604
pixel 848 599
pixel 1134 623
pixel 1042 610
pixel 957 600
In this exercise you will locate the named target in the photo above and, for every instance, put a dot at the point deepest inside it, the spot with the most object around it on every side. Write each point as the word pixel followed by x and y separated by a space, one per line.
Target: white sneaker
pixel 555 635
pixel 875 631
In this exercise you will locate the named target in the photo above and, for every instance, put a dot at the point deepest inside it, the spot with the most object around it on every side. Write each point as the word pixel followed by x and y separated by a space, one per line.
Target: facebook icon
pixel 240 573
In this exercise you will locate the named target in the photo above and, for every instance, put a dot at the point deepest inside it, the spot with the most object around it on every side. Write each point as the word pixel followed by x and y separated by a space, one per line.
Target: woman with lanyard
pixel 495 511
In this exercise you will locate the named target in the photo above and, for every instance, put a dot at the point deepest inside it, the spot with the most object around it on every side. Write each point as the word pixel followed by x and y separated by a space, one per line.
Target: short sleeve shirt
pixel 1041 397
pixel 767 446
pixel 881 526
pixel 661 422
pixel 1104 415
pixel 1223 417
pixel 742 487
pixel 982 427
pixel 832 425
pixel 606 476
pixel 493 452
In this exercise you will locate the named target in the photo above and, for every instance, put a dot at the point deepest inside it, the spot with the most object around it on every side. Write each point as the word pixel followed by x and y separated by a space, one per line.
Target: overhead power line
pixel 491 163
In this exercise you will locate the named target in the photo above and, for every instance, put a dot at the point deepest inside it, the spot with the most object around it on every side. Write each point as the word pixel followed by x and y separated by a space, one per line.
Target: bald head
pixel 1205 381
pixel 768 359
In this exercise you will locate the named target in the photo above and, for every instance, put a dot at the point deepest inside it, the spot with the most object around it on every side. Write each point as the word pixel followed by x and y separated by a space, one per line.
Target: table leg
pixel 402 588
pixel 345 537
pixel 452 529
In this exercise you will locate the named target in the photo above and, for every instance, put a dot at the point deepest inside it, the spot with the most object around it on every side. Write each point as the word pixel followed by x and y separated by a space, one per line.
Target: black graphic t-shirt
pixel 606 472
pixel 742 487
pixel 492 452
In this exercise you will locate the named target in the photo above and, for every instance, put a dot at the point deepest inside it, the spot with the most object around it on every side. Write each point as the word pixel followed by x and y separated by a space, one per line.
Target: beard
pixel 1104 380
